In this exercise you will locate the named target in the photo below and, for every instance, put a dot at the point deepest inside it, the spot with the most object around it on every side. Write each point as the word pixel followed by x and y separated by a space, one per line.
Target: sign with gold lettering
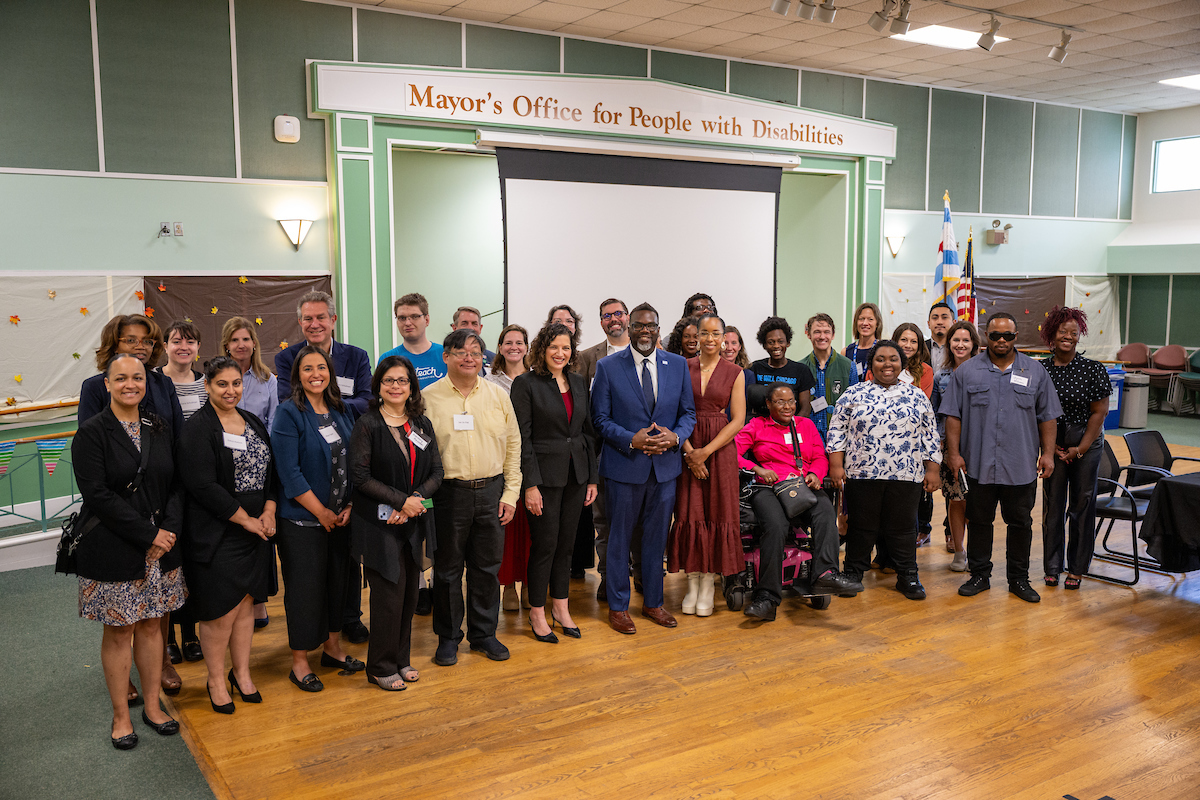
pixel 598 106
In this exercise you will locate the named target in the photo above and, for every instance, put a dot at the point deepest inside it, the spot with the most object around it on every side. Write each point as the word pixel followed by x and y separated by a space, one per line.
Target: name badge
pixel 892 392
pixel 787 439
pixel 907 377
pixel 1019 380
pixel 191 402
pixel 418 439
pixel 464 422
pixel 858 365
pixel 234 442
pixel 819 404
pixel 330 434
pixel 346 386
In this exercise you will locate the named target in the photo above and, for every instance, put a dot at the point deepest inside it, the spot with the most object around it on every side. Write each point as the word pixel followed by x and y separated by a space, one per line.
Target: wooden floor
pixel 1090 693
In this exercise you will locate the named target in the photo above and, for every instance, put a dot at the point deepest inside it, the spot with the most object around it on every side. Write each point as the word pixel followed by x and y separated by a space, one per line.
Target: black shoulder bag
pixel 794 494
pixel 82 521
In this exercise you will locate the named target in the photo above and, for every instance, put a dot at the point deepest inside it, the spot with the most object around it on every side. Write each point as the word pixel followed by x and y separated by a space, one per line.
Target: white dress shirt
pixel 639 360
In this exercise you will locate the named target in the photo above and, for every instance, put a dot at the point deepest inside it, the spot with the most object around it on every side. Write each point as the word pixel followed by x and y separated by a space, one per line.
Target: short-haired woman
pixel 962 343
pixel 558 471
pixel 229 473
pixel 309 437
pixel 511 351
pixel 395 468
pixel 868 327
pixel 883 447
pixel 128 564
pixel 568 316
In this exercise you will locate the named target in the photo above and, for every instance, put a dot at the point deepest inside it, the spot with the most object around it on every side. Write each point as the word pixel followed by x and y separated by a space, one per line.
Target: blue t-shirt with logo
pixel 429 365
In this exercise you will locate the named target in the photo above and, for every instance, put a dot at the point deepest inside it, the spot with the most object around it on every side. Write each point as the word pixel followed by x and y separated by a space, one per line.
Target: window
pixel 1177 165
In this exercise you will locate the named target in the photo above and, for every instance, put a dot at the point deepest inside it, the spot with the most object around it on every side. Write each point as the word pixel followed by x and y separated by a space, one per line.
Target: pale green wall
pixel 811 266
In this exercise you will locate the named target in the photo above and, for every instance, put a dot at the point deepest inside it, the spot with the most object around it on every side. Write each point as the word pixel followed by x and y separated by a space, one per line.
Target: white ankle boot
pixel 689 599
pixel 704 597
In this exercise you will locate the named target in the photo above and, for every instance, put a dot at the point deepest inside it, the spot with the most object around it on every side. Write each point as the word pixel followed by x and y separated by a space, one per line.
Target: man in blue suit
pixel 642 406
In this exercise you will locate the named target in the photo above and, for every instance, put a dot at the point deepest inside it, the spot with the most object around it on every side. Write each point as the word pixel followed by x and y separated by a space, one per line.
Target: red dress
pixel 707 533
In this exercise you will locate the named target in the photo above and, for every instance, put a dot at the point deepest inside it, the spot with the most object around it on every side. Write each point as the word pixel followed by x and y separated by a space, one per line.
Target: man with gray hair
pixel 317 316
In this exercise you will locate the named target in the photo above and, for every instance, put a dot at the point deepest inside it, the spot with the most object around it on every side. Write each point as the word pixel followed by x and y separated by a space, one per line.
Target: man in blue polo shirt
pixel 412 319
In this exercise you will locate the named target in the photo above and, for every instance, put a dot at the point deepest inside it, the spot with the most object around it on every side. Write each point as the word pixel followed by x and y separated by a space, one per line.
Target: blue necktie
pixel 647 385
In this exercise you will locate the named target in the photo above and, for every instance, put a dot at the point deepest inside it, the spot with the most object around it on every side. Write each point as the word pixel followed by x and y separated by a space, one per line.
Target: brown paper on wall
pixel 1027 299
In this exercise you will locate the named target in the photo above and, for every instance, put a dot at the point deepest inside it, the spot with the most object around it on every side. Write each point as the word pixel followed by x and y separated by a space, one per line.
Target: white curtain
pixel 43 328
pixel 1097 296
pixel 904 297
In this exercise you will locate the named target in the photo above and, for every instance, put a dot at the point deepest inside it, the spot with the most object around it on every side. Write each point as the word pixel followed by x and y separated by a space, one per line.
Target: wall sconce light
pixel 894 243
pixel 296 230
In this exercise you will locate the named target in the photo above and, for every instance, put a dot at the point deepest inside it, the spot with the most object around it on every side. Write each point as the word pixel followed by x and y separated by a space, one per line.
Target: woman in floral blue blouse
pixel 883 445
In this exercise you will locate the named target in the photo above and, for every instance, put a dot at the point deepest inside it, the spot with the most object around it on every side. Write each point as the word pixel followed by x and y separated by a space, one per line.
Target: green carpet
pixel 54 738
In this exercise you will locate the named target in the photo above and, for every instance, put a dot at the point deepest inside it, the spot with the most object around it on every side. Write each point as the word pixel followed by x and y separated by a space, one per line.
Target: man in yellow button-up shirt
pixel 480 445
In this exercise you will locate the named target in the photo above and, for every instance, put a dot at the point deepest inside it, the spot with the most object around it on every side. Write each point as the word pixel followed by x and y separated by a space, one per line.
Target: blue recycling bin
pixel 1116 376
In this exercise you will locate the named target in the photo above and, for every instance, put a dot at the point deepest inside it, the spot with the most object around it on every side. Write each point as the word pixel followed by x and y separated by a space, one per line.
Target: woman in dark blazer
pixel 309 436
pixel 395 468
pixel 558 468
pixel 227 469
pixel 128 565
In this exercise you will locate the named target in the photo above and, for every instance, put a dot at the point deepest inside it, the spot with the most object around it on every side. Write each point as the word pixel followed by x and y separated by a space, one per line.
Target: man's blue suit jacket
pixel 619 411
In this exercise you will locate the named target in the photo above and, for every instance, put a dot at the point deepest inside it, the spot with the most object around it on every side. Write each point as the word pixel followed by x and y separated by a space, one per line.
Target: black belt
pixel 478 483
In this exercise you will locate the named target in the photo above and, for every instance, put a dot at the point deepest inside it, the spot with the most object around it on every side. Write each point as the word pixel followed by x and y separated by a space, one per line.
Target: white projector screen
pixel 581 243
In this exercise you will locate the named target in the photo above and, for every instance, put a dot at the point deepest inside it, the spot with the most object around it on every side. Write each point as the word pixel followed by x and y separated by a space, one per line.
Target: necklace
pixel 402 417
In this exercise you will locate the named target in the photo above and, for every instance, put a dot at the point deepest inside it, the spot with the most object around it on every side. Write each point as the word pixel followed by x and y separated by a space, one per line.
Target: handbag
pixel 794 494
pixel 82 521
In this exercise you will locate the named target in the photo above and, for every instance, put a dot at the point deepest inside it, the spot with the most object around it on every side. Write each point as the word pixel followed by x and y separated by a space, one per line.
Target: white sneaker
pixel 959 564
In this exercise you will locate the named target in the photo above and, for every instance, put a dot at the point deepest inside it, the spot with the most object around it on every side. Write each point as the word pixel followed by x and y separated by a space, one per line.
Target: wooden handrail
pixel 60 404
pixel 29 439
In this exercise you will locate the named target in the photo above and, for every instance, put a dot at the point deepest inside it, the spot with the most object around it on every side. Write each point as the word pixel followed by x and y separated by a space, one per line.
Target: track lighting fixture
pixel 879 20
pixel 900 24
pixel 1059 53
pixel 781 7
pixel 988 40
pixel 826 11
pixel 806 9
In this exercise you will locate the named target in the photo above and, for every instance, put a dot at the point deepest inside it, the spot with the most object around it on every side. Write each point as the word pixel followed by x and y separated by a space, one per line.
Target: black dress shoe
pixel 838 583
pixel 761 609
pixel 492 648
pixel 574 633
pixel 356 632
pixel 126 742
pixel 262 623
pixel 447 653
pixel 174 654
pixel 311 683
pixel 351 664
pixel 168 728
pixel 246 698
pixel 1023 590
pixel 853 577
pixel 192 651
pixel 224 708
pixel 911 588
pixel 424 602
pixel 548 638
pixel 974 586
pixel 602 591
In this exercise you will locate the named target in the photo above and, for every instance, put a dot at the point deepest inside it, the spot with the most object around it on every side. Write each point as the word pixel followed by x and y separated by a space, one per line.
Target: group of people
pixel 515 466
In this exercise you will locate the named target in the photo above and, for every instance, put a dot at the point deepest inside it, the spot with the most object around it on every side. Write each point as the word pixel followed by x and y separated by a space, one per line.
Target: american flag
pixel 947 276
pixel 965 301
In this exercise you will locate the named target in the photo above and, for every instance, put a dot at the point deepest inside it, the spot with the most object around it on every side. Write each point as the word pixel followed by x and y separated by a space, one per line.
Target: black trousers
pixel 1016 508
pixel 821 523
pixel 583 554
pixel 392 608
pixel 471 538
pixel 925 513
pixel 883 511
pixel 552 540
pixel 352 608
pixel 1069 507
pixel 314 581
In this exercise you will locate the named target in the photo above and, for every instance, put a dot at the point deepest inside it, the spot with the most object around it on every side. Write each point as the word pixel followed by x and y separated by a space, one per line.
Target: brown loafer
pixel 620 622
pixel 659 616
pixel 171 682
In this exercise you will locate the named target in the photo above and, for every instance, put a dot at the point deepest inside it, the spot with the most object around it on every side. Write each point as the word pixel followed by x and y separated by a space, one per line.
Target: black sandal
pixel 1052 580
pixel 1072 583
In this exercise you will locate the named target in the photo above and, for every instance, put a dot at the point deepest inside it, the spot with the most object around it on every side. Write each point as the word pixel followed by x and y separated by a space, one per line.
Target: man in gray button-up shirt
pixel 1001 418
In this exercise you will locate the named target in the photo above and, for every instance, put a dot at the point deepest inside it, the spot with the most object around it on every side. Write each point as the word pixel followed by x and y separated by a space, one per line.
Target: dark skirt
pixel 241 566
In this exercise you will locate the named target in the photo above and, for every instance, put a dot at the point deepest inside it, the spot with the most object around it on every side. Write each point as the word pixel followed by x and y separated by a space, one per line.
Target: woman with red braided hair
pixel 1069 494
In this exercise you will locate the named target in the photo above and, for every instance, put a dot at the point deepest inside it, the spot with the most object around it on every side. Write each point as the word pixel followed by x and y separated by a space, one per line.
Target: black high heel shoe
pixel 549 638
pixel 227 708
pixel 574 633
pixel 168 728
pixel 246 698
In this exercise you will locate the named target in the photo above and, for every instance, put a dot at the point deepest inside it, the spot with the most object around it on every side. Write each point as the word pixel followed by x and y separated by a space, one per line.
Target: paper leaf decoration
pixel 149 312
pixel 17 378
pixel 76 356
pixel 212 310
pixel 283 345
pixel 162 287
pixel 51 294
pixel 258 320
pixel 243 279
pixel 83 310
pixel 14 319
pixel 12 401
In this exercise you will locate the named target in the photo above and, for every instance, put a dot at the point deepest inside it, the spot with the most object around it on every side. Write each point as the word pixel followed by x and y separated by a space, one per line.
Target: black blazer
pixel 206 472
pixel 379 473
pixel 160 399
pixel 105 462
pixel 553 450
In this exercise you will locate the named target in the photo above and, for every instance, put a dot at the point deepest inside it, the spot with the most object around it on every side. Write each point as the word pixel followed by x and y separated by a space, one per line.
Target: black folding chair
pixel 1149 449
pixel 1120 504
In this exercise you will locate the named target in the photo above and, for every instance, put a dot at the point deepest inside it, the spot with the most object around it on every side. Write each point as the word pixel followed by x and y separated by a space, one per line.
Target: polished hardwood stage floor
pixel 1087 694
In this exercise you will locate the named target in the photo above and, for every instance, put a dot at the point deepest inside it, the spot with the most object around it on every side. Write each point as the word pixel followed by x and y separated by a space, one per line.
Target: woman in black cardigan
pixel 227 469
pixel 128 565
pixel 395 468
pixel 558 469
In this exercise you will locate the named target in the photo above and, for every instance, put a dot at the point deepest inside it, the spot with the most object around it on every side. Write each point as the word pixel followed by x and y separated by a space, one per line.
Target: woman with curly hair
pixel 685 338
pixel 1069 494
pixel 558 471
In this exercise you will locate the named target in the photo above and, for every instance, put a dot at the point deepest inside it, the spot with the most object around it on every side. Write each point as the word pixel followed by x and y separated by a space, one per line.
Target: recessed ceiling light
pixel 1187 82
pixel 941 36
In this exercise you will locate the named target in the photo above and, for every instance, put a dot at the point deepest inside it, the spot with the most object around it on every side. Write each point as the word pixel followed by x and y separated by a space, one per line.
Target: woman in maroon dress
pixel 706 540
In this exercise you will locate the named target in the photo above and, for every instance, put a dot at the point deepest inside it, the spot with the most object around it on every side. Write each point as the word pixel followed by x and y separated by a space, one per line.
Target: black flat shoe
pixel 351 664
pixel 549 638
pixel 246 698
pixel 192 651
pixel 424 602
pixel 174 654
pixel 761 609
pixel 126 742
pixel 227 708
pixel 168 728
pixel 311 682
pixel 574 633
pixel 356 632
pixel 262 623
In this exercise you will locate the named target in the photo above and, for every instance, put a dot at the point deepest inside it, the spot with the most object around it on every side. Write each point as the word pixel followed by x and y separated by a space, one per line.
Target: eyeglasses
pixel 643 326
pixel 409 317
pixel 134 341
pixel 711 335
pixel 463 355
pixel 1007 336
pixel 394 382
pixel 784 403
pixel 612 315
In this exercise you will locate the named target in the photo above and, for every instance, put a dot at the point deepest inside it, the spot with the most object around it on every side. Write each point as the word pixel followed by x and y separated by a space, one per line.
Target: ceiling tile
pixel 800 50
pixel 591 31
pixel 1130 6
pixel 556 12
pixel 842 38
pixel 613 21
pixel 1115 24
pixel 751 24
pixel 596 4
pixel 701 15
pixel 742 6
pixel 508 7
pixel 702 38
pixel 648 8
pixel 480 16
pixel 1170 11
